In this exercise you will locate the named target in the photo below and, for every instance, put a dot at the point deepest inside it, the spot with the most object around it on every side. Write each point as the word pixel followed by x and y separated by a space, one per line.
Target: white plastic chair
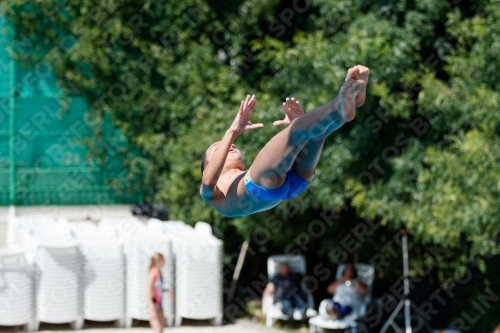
pixel 59 296
pixel 17 301
pixel 139 242
pixel 366 273
pixel 272 311
pixel 50 245
pixel 26 232
pixel 55 252
pixel 198 270
pixel 203 228
pixel 103 274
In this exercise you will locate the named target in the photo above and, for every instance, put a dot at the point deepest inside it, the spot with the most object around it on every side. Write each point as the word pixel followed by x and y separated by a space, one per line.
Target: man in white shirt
pixel 347 292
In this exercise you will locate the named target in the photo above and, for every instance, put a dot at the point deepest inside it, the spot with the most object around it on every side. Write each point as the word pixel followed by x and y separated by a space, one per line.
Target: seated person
pixel 286 289
pixel 347 292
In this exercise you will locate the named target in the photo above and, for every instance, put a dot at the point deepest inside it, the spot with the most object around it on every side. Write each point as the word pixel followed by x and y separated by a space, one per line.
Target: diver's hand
pixel 242 122
pixel 293 110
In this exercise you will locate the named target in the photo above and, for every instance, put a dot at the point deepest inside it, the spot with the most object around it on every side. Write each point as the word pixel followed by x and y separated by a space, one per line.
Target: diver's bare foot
pixel 364 74
pixel 293 110
pixel 348 92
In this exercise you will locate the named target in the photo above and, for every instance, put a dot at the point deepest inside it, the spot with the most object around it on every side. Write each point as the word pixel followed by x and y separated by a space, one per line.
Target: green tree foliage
pixel 453 158
pixel 423 151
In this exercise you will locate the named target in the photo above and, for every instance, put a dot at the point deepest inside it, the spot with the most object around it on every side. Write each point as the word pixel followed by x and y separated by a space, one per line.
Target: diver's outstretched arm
pixel 240 125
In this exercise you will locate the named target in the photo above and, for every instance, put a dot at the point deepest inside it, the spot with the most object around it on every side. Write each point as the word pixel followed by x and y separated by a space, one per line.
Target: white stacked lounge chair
pixel 103 274
pixel 81 271
pixel 25 232
pixel 139 245
pixel 163 244
pixel 19 233
pixel 121 231
pixel 140 251
pixel 58 274
pixel 198 271
pixel 17 302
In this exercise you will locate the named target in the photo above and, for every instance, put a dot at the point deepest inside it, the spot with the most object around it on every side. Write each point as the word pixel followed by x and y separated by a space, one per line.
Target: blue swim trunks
pixel 293 186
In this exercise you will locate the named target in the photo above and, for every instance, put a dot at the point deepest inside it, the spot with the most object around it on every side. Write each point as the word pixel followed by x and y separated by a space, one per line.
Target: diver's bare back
pixel 233 199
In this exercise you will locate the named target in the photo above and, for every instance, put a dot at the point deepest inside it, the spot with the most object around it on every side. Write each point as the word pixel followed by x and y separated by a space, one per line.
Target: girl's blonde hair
pixel 155 258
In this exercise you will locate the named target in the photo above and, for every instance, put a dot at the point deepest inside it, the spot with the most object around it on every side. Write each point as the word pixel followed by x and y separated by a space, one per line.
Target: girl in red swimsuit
pixel 154 293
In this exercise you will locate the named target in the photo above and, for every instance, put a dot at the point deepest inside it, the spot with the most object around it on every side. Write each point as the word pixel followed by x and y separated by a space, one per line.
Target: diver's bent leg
pixel 308 158
pixel 273 162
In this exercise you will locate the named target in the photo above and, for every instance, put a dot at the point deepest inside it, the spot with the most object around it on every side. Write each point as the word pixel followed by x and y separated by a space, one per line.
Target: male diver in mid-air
pixel 285 166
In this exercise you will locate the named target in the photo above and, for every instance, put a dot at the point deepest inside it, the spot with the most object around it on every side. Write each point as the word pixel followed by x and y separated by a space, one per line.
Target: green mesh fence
pixel 52 135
